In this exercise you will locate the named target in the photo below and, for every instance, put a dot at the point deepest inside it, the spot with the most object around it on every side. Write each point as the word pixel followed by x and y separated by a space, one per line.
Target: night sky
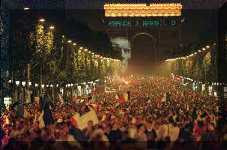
pixel 84 20
pixel 98 4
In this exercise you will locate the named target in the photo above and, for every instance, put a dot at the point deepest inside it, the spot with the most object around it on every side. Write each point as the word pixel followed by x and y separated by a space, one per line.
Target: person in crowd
pixel 186 116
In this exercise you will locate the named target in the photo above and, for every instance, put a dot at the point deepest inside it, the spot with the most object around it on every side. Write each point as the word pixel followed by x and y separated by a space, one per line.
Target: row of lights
pixel 81 48
pixel 142 10
pixel 189 79
pixel 213 83
pixel 90 52
pixel 24 83
pixel 42 20
pixel 144 5
pixel 191 55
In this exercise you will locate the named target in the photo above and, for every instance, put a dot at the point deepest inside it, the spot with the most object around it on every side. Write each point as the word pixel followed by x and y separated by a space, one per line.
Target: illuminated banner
pixel 142 23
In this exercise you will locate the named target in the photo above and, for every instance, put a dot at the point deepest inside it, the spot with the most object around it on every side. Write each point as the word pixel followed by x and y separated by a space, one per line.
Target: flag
pixel 121 99
pixel 61 98
pixel 47 115
pixel 126 96
pixel 41 121
pixel 81 121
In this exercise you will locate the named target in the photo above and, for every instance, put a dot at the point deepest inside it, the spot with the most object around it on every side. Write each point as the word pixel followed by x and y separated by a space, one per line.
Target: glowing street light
pixel 42 20
pixel 17 83
pixel 74 44
pixel 69 41
pixel 26 8
pixel 36 85
pixel 23 83
pixel 51 27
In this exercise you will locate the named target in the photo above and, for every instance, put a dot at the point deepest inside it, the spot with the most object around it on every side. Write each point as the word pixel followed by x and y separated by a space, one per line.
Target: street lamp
pixel 51 27
pixel 69 41
pixel 17 89
pixel 42 20
pixel 17 83
pixel 23 84
pixel 26 8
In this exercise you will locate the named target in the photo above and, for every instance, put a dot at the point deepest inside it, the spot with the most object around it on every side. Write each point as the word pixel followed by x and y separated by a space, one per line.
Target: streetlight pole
pixel 42 20
pixel 17 89
pixel 23 84
pixel 41 77
pixel 36 91
pixel 29 90
pixel 71 91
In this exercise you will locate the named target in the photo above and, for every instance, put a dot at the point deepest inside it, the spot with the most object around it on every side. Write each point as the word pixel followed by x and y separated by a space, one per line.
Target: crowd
pixel 184 119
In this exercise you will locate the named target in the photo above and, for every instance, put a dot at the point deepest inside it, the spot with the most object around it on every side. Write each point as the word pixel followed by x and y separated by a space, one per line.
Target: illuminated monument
pixel 143 10
pixel 152 29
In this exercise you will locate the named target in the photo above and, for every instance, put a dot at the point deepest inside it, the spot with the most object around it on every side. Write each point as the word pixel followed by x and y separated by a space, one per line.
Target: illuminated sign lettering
pixel 141 23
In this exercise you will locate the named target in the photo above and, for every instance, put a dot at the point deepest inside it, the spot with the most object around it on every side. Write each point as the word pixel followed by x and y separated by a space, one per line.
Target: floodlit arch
pixel 143 33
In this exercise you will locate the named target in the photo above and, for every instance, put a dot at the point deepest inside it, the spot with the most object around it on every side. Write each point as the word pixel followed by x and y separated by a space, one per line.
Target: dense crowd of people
pixel 160 113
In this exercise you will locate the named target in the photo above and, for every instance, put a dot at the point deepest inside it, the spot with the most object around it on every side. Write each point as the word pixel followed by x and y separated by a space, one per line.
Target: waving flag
pixel 122 98
pixel 47 114
pixel 81 121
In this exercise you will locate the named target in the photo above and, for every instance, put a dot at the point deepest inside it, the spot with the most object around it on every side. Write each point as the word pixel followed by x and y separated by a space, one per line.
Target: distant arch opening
pixel 143 52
